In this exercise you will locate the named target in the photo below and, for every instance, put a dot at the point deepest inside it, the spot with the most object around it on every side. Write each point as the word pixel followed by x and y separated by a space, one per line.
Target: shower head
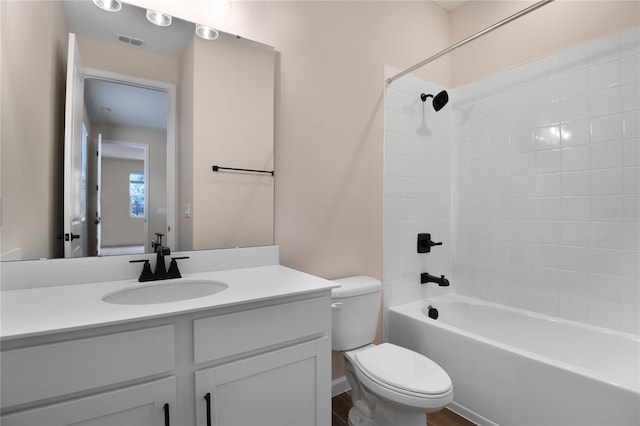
pixel 439 100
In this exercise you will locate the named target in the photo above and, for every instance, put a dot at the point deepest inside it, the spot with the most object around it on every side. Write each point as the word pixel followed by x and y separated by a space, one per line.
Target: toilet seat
pixel 403 370
pixel 388 371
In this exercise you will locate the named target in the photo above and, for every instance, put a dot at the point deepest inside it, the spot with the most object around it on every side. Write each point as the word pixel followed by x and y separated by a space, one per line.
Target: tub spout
pixel 425 277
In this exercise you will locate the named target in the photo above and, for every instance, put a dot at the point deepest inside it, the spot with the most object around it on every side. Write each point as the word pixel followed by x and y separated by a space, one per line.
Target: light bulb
pixel 108 5
pixel 206 33
pixel 158 18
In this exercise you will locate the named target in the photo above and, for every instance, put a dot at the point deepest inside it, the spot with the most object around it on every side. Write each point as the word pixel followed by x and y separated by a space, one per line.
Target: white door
pixel 74 205
pixel 280 388
pixel 150 404
pixel 98 220
pixel 147 213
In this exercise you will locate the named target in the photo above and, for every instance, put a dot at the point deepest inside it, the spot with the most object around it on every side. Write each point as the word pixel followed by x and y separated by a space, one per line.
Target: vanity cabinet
pixel 259 363
pixel 279 388
pixel 56 378
pixel 281 383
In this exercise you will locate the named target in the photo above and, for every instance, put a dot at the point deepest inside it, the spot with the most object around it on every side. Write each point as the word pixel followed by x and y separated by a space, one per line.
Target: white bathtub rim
pixel 415 310
pixel 455 297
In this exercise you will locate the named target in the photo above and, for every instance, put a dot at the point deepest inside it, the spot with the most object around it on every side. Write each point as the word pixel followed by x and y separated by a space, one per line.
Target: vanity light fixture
pixel 207 33
pixel 158 18
pixel 108 5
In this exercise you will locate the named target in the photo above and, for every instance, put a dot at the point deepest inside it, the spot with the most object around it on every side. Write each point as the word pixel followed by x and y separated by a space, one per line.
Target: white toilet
pixel 390 385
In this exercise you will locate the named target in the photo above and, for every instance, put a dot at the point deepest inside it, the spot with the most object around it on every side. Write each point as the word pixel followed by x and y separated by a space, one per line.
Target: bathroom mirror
pixel 206 103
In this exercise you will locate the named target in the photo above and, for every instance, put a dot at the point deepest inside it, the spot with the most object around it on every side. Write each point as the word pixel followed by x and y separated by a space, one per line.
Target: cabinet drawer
pixel 226 335
pixel 46 371
pixel 136 405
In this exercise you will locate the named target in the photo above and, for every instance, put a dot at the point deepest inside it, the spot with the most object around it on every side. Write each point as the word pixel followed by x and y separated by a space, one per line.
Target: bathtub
pixel 513 367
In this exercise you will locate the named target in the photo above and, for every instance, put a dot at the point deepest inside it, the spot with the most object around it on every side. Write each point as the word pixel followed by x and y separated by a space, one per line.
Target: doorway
pixel 122 214
pixel 133 132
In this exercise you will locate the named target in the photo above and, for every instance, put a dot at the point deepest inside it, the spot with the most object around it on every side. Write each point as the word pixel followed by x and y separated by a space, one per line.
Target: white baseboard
pixel 339 385
pixel 469 415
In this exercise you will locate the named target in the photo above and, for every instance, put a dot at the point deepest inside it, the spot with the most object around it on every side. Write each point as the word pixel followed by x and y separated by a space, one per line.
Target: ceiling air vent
pixel 130 40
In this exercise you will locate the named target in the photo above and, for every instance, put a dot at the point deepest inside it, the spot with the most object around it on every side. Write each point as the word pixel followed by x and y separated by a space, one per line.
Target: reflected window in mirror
pixel 136 195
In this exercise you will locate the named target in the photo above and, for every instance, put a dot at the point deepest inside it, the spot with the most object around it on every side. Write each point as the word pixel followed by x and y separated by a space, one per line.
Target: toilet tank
pixel 354 312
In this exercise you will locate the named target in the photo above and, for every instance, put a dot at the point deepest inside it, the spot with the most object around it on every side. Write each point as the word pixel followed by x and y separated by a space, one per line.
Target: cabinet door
pixel 287 387
pixel 150 404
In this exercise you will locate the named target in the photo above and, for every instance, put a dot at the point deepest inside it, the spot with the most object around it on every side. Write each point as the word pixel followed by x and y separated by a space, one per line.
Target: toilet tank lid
pixel 356 286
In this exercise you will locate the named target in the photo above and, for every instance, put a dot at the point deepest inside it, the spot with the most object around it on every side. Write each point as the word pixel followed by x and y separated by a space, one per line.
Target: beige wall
pixel 556 26
pixel 329 123
pixel 126 60
pixel 233 127
pixel 32 138
pixel 226 116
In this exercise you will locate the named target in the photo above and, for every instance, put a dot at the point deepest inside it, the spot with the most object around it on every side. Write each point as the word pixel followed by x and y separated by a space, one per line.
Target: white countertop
pixel 40 311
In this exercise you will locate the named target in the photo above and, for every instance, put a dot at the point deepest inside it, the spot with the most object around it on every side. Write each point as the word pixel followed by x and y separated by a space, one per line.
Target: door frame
pixel 98 178
pixel 170 90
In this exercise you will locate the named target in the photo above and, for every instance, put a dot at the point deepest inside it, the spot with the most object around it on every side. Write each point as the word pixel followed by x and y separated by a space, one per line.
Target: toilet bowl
pixel 390 385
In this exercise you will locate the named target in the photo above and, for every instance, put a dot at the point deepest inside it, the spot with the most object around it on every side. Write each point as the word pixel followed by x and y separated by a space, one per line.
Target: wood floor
pixel 341 404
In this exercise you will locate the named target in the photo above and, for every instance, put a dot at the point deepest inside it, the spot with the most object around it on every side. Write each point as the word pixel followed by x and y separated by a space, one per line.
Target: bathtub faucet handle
pixel 425 243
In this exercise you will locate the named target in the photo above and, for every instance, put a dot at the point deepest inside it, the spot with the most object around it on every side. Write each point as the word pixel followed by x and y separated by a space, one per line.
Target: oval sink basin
pixel 164 292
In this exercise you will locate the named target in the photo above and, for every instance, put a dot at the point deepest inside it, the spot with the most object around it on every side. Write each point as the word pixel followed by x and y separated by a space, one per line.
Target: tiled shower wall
pixel 543 207
pixel 547 211
pixel 417 189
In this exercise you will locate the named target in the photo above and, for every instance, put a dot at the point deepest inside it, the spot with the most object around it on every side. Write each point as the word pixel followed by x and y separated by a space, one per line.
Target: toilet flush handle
pixel 336 305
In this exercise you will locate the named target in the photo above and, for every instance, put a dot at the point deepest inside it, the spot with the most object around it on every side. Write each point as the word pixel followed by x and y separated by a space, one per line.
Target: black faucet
pixel 161 272
pixel 161 268
pixel 425 277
